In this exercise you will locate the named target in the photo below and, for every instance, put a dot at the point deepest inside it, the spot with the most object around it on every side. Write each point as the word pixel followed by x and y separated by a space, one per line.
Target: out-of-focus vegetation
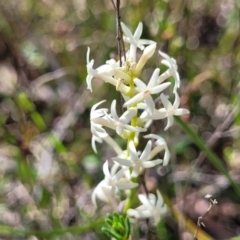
pixel 47 166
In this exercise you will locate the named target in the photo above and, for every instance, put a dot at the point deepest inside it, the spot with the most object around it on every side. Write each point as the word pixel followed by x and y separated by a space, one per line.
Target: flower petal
pixel 137 98
pixel 146 151
pixel 150 103
pixel 166 103
pixel 140 84
pixel 138 31
pixel 126 185
pixel 133 152
pixel 181 111
pixel 106 170
pixel 113 110
pixel 152 163
pixel 159 88
pixel 153 81
pixel 169 122
pixel 128 115
pixel 145 201
pixel 122 161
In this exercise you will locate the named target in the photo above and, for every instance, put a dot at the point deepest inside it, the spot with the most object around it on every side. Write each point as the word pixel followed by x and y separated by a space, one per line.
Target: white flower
pixel 146 91
pixel 151 207
pixel 98 120
pixel 122 122
pixel 105 73
pixel 136 162
pixel 108 187
pixel 134 40
pixel 160 145
pixel 169 110
pixel 172 71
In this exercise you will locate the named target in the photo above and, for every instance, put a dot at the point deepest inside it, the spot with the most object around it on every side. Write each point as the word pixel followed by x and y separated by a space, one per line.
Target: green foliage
pixel 118 226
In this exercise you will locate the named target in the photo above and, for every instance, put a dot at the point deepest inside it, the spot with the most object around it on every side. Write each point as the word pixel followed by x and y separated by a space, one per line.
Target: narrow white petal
pixel 152 163
pixel 106 170
pixel 169 122
pixel 113 110
pixel 164 55
pixel 109 198
pixel 110 120
pixel 126 185
pixel 137 98
pixel 146 151
pixel 159 114
pixel 119 129
pixel 128 115
pixel 159 88
pixel 154 152
pixel 181 111
pixel 133 152
pixel 122 161
pixel 96 105
pixel 97 127
pixel 89 82
pixel 153 81
pixel 166 103
pixel 166 157
pixel 150 103
pixel 164 76
pixel 135 129
pixel 88 54
pixel 93 142
pixel 138 31
pixel 155 136
pixel 140 84
pixel 145 201
pixel 145 42
pixel 139 214
pixel 119 174
pixel 126 31
pixel 176 101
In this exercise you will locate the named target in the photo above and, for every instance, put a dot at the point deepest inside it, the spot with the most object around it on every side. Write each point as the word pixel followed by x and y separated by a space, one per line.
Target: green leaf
pixel 211 156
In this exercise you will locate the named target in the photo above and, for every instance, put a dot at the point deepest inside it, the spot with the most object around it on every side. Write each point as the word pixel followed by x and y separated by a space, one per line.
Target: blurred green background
pixel 47 165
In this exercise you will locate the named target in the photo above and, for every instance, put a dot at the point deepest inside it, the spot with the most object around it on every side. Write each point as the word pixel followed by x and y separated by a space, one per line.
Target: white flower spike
pixel 139 101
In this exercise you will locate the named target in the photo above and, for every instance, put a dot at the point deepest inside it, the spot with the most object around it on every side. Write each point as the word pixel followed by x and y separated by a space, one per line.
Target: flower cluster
pixel 140 110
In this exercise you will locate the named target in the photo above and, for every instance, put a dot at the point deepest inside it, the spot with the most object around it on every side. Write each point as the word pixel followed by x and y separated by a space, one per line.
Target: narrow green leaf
pixel 111 233
pixel 211 156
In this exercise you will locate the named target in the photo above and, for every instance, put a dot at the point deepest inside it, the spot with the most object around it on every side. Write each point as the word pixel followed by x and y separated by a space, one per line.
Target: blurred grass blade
pixel 75 230
pixel 211 156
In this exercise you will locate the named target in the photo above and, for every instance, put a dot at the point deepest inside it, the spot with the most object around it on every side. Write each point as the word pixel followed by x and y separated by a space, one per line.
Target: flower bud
pixel 147 53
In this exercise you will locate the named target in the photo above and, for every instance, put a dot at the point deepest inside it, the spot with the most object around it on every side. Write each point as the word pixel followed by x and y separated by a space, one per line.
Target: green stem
pixel 211 156
pixel 131 198
pixel 11 231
